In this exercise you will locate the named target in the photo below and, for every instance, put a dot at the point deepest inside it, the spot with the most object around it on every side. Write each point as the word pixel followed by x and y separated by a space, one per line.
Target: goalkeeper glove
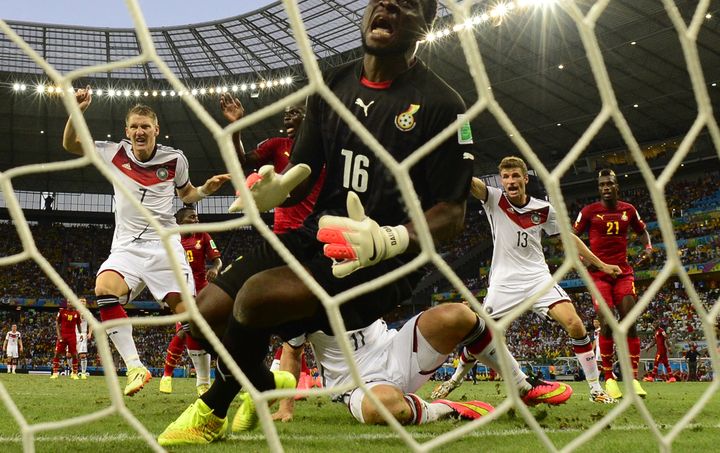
pixel 270 189
pixel 357 241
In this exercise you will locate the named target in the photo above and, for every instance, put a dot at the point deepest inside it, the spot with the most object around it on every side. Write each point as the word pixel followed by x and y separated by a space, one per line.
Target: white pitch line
pixel 362 436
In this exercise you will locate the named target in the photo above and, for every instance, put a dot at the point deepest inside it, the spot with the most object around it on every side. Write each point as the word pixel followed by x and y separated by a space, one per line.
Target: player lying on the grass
pixel 394 364
pixel 360 220
pixel 154 174
pixel 518 267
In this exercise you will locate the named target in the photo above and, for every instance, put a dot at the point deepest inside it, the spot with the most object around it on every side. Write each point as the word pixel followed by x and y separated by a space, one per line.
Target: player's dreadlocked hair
pixel 142 110
pixel 182 211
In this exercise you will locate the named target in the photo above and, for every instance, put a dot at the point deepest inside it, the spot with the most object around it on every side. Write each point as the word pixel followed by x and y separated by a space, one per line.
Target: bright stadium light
pixel 111 92
pixel 154 93
pixel 172 93
pixel 234 88
pixel 202 91
pixel 136 93
pixel 51 89
pixel 163 93
pixel 253 86
pixel 16 86
pixel 126 93
pixel 146 93
pixel 212 90
pixel 194 92
pixel 23 87
pixel 99 92
pixel 40 88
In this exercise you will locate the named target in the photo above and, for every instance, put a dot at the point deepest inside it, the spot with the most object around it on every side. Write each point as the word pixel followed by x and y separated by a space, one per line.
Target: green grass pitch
pixel 323 426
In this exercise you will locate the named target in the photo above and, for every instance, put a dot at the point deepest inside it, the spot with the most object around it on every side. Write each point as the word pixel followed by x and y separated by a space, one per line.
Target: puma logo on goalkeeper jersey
pixel 365 108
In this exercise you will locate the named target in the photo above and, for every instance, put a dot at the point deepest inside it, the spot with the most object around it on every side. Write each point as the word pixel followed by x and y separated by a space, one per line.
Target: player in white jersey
pixel 11 346
pixel 517 222
pixel 83 335
pixel 154 174
pixel 394 364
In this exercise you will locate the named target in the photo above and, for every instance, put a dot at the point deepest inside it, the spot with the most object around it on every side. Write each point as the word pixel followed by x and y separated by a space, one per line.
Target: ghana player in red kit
pixel 274 151
pixel 661 354
pixel 199 250
pixel 67 324
pixel 607 223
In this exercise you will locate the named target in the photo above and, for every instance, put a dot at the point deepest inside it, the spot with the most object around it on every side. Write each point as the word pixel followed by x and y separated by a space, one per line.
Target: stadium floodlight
pixel 202 90
pixel 16 86
pixel 211 91
pixel 253 86
pixel 99 92
pixel 23 87
pixel 111 92
pixel 154 93
pixel 262 85
pixel 136 93
pixel 126 93
pixel 243 87
pixel 163 93
pixel 234 88
pixel 51 89
pixel 172 93
pixel 40 88
pixel 146 93
pixel 224 89
pixel 194 92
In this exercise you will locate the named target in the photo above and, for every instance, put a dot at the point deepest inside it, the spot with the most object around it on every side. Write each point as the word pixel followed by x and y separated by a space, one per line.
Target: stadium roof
pixel 523 53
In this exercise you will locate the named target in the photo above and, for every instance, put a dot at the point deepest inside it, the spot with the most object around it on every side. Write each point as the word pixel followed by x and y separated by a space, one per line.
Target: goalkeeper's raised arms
pixel 269 189
pixel 357 241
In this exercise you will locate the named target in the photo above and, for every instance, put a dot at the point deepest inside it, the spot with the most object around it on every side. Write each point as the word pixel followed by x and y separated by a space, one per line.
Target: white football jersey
pixel 12 339
pixel 83 327
pixel 153 182
pixel 366 343
pixel 518 258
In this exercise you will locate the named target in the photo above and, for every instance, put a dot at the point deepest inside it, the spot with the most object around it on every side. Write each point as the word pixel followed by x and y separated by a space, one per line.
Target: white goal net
pixel 464 17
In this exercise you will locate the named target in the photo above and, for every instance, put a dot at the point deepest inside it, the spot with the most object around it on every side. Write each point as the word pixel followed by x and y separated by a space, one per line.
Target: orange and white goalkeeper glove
pixel 358 241
pixel 269 189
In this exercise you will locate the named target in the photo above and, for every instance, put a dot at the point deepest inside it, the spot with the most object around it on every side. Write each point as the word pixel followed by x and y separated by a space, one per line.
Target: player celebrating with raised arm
pixel 154 173
pixel 67 324
pixel 274 152
pixel 83 336
pixel 12 345
pixel 517 222
pixel 607 223
pixel 403 104
pixel 199 249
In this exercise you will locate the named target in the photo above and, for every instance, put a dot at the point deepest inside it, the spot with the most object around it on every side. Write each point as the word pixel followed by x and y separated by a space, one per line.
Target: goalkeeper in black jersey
pixel 359 229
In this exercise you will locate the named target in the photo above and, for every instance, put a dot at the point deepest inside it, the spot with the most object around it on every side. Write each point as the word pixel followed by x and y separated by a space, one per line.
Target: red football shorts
pixel 66 341
pixel 614 290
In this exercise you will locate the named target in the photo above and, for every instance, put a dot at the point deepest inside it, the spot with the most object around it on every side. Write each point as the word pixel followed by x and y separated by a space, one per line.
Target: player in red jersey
pixel 661 355
pixel 199 249
pixel 67 324
pixel 607 223
pixel 274 151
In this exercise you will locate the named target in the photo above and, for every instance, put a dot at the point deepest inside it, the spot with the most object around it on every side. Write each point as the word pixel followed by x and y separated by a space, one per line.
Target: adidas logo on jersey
pixel 127 166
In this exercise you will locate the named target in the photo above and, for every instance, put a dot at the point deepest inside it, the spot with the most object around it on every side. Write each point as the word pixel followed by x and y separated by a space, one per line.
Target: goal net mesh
pixel 462 14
